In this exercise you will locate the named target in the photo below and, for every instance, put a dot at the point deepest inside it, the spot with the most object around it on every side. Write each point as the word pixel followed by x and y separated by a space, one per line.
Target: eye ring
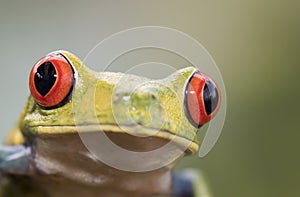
pixel 51 81
pixel 201 99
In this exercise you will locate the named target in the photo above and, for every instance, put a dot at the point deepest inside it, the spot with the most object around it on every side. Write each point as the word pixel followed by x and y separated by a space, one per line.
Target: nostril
pixel 210 96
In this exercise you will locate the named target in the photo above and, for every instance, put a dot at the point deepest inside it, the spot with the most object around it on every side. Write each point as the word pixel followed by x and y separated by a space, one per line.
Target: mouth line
pixel 134 130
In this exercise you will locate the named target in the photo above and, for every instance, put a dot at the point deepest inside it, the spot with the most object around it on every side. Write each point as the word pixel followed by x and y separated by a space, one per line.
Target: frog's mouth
pixel 134 138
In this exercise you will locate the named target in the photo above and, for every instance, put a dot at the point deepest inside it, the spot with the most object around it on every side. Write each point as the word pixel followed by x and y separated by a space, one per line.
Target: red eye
pixel 51 81
pixel 202 99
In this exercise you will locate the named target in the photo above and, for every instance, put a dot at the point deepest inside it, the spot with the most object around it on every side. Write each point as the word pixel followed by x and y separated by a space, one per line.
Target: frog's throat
pixel 137 130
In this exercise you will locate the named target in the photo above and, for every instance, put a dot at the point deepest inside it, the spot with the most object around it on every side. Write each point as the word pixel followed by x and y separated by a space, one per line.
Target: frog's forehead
pixel 178 77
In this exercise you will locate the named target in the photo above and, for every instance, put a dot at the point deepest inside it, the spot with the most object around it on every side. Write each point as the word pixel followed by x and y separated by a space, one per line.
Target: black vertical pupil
pixel 45 78
pixel 211 97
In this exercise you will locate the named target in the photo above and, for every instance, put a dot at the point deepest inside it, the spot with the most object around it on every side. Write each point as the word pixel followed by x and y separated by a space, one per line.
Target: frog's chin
pixel 114 132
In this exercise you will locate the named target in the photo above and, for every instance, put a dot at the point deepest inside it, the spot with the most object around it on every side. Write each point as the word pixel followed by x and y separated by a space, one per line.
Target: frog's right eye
pixel 51 81
pixel 202 99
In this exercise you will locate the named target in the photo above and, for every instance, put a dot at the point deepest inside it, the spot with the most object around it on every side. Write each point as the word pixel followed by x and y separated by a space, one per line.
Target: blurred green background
pixel 255 43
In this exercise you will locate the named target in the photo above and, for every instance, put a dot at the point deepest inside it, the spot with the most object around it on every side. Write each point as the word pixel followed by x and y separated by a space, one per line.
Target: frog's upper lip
pixel 135 130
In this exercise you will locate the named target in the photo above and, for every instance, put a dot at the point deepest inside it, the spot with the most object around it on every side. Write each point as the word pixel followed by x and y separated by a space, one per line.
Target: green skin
pixel 50 159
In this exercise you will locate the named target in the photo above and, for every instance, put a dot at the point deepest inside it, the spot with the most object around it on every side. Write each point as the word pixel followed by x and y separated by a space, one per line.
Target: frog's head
pixel 66 95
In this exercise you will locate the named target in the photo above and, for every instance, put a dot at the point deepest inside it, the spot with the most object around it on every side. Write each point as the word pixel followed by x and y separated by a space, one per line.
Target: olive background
pixel 255 43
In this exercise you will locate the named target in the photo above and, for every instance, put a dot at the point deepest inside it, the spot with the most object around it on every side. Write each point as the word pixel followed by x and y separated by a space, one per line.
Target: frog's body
pixel 47 156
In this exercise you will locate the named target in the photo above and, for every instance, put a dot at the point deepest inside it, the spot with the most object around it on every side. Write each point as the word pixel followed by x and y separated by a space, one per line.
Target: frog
pixel 70 105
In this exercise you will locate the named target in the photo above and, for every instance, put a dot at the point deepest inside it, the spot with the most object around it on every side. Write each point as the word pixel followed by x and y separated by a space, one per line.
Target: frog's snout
pixel 202 99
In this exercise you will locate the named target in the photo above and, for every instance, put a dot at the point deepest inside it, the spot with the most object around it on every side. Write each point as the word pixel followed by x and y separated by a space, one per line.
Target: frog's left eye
pixel 202 99
pixel 51 81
